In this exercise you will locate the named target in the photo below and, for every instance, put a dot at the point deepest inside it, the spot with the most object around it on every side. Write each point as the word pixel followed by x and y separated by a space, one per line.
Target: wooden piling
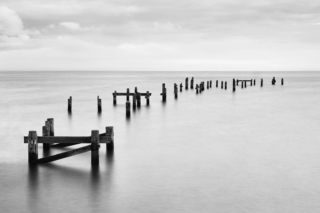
pixel 70 104
pixel 128 91
pixel 245 84
pixel 225 85
pixel 51 124
pixel 251 82
pixel 254 82
pixel 281 81
pixel 164 92
pixel 181 87
pixel 221 84
pixel 46 132
pixel 234 85
pixel 261 82
pixel 237 82
pixel 191 83
pixel 99 104
pixel 33 146
pixel 175 89
pixel 210 83
pixel 197 87
pixel 134 101
pixel 115 98
pixel 148 98
pixel 95 145
pixel 128 108
pixel 207 84
pixel 110 138
pixel 138 97
pixel 217 83
pixel 187 83
pixel 273 81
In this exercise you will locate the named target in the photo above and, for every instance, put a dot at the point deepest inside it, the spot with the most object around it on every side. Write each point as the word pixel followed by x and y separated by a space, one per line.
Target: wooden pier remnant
pixel 136 97
pixel 197 87
pixel 134 101
pixel 217 83
pixel 225 85
pixel 164 92
pixel 273 81
pixel 175 90
pixel 94 140
pixel 187 83
pixel 99 104
pixel 115 98
pixel 245 84
pixel 191 83
pixel 46 132
pixel 233 85
pixel 242 84
pixel 128 109
pixel 70 104
pixel 254 82
pixel 181 86
pixel 208 85
pixel 261 82
pixel 221 84
pixel 148 94
pixel 281 81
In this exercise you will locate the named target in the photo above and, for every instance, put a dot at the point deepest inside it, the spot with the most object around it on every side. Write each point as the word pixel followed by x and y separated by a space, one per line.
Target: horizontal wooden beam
pixel 63 155
pixel 61 145
pixel 68 139
pixel 131 94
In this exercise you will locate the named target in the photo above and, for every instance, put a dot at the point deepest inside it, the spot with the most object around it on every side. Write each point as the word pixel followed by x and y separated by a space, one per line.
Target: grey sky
pixel 159 35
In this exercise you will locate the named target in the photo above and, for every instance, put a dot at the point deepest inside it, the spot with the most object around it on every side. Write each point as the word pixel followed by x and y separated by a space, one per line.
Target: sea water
pixel 253 150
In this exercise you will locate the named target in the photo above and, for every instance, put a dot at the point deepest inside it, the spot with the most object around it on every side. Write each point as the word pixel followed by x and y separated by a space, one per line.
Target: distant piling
pixel 208 85
pixel 51 125
pixel 273 81
pixel 281 81
pixel 187 83
pixel 254 82
pixel 181 86
pixel 128 95
pixel 128 108
pixel 261 82
pixel 110 135
pixel 115 98
pixel 46 132
pixel 176 90
pixel 221 84
pixel 70 104
pixel 191 83
pixel 134 101
pixel 148 98
pixel 217 83
pixel 197 87
pixel 33 146
pixel 245 84
pixel 164 92
pixel 234 85
pixel 225 85
pixel 99 104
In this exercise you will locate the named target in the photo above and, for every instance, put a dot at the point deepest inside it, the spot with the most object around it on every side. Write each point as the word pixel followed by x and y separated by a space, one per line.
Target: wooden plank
pixel 63 155
pixel 69 139
pixel 61 145
pixel 124 94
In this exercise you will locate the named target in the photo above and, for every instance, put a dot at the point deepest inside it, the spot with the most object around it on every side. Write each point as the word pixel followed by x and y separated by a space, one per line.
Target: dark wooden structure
pixel 164 92
pixel 281 81
pixel 70 104
pixel 181 86
pixel 187 81
pixel 175 90
pixel 191 83
pixel 136 97
pixel 99 104
pixel 261 82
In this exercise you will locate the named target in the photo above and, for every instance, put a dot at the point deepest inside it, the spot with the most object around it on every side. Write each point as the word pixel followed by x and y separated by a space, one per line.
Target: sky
pixel 162 35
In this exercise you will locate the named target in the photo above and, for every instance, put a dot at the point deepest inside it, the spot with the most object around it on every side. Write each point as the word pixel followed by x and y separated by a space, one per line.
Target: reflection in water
pixel 33 186
pixel 70 114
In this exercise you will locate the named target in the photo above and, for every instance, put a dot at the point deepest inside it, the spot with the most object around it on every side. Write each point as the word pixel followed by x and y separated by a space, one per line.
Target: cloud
pixel 10 22
pixel 70 25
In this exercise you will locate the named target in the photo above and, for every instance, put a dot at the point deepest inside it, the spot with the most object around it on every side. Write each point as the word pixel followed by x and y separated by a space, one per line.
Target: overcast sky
pixel 213 35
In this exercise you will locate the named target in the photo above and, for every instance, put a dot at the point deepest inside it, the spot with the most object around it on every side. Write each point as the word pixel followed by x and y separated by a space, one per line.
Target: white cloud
pixel 10 22
pixel 71 25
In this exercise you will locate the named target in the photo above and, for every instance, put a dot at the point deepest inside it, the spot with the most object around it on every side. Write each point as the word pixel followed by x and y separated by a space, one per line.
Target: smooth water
pixel 255 150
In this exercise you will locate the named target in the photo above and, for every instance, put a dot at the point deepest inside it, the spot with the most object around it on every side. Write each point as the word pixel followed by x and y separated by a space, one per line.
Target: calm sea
pixel 255 150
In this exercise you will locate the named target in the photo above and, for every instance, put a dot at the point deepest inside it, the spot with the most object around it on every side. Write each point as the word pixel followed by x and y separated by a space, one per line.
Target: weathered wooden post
pixel 210 83
pixel 225 85
pixel 138 97
pixel 251 82
pixel 197 87
pixel 51 124
pixel 217 83
pixel 187 82
pixel 261 82
pixel 191 83
pixel 99 105
pixel 242 84
pixel 46 132
pixel 134 101
pixel 245 84
pixel 234 85
pixel 128 108
pixel 115 98
pixel 237 82
pixel 148 98
pixel 181 87
pixel 176 90
pixel 207 84
pixel 110 138
pixel 281 81
pixel 254 82
pixel 221 84
pixel 164 92
pixel 70 104
pixel 273 81
pixel 33 146
pixel 95 145
pixel 128 91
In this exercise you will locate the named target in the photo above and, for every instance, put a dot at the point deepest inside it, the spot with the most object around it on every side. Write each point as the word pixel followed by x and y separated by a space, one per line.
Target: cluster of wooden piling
pixel 49 140
pixel 136 99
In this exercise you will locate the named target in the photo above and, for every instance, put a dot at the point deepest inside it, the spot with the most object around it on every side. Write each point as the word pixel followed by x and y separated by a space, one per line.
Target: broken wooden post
pixel 225 85
pixel 134 101
pixel 261 82
pixel 234 85
pixel 164 92
pixel 95 145
pixel 187 83
pixel 33 146
pixel 115 98
pixel 110 138
pixel 254 82
pixel 128 108
pixel 281 81
pixel 148 98
pixel 245 84
pixel 70 104
pixel 99 104
pixel 191 83
pixel 46 132
pixel 197 87
pixel 138 97
pixel 128 91
pixel 207 84
pixel 210 83
pixel 175 89
pixel 221 84
pixel 217 83
pixel 181 87
pixel 51 124
pixel 273 81
pixel 241 84
pixel 251 82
